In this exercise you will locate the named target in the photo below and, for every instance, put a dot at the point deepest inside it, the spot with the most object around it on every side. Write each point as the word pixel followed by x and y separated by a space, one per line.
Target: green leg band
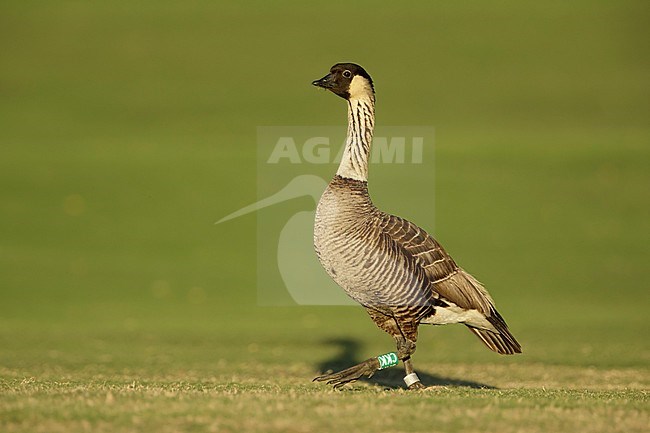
pixel 388 360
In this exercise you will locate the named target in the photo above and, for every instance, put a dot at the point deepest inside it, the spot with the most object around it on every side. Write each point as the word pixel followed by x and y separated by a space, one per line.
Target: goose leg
pixel 405 335
pixel 405 349
pixel 412 380
pixel 367 368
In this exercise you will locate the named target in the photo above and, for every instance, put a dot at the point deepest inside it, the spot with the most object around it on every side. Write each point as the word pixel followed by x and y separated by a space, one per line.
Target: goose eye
pixel 347 74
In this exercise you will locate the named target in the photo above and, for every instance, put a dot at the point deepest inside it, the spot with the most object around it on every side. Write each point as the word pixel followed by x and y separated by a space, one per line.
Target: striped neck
pixel 361 123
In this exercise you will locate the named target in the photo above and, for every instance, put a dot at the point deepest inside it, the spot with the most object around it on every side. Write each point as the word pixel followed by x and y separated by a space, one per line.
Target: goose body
pixel 392 267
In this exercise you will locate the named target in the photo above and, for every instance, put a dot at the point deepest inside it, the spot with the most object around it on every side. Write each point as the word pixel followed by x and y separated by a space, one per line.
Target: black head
pixel 348 80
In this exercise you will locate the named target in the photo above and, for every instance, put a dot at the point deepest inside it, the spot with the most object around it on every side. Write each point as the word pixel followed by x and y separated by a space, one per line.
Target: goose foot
pixel 367 368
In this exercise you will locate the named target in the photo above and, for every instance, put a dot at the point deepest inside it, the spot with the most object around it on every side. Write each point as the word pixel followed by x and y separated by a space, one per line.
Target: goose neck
pixel 361 124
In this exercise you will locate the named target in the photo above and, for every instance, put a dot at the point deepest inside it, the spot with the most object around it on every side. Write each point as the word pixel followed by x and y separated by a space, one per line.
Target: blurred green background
pixel 128 128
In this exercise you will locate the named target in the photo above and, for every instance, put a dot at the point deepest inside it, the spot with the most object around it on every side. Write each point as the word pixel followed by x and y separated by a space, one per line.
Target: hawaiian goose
pixel 396 270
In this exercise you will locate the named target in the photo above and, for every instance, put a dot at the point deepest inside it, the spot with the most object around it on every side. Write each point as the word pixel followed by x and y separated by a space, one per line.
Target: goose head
pixel 349 81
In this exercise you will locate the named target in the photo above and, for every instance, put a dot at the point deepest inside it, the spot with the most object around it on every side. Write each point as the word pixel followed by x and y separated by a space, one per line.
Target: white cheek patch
pixel 360 88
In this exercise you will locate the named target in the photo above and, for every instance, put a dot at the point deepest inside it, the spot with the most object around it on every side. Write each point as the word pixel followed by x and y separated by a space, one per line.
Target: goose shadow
pixel 392 378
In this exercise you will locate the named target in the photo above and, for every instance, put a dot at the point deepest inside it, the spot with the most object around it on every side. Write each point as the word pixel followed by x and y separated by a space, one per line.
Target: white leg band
pixel 410 379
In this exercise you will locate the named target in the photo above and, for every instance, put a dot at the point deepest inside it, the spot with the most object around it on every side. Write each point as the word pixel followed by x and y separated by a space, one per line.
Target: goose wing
pixel 452 284
pixel 450 281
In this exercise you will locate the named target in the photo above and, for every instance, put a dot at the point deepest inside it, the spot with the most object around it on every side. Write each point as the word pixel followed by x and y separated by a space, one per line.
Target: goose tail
pixel 502 342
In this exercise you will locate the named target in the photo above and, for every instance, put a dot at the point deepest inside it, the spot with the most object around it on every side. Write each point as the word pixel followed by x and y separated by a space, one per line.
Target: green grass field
pixel 127 129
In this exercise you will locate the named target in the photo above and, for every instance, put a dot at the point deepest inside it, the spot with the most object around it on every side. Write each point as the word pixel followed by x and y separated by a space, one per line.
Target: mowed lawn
pixel 127 129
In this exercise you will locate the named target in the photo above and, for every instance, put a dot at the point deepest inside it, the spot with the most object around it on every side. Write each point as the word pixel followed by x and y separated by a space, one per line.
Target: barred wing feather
pixel 451 283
